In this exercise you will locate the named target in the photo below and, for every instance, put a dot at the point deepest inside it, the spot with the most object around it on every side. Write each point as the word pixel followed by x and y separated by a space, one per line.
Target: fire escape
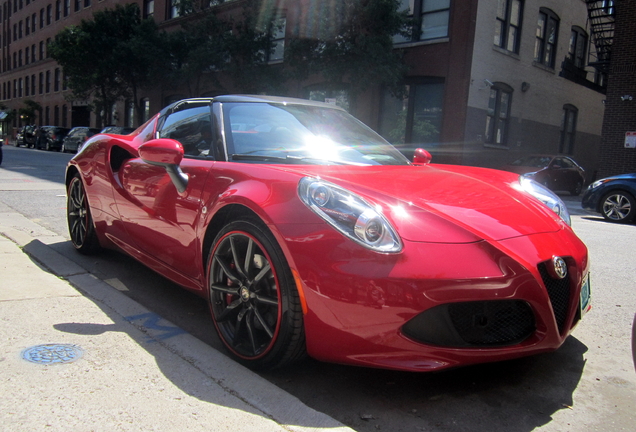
pixel 601 20
pixel 601 28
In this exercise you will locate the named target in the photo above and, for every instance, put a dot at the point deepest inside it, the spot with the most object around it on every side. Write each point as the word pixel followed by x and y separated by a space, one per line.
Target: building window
pixel 33 84
pixel 87 3
pixel 34 20
pixel 67 7
pixel 56 83
pixel 41 82
pixel 173 9
pixel 78 5
pixel 56 114
pixel 277 53
pixel 430 19
pixel 498 114
pixel 58 10
pixel 145 103
pixel 33 53
pixel 415 119
pixel 64 116
pixel 129 116
pixel 568 129
pixel 149 8
pixel 48 81
pixel 546 38
pixel 47 115
pixel 27 55
pixel 335 95
pixel 20 87
pixel 26 86
pixel 49 14
pixel 27 26
pixel 42 18
pixel 577 50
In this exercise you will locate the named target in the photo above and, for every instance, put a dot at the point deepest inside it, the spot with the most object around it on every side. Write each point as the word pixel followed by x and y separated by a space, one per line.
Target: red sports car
pixel 309 234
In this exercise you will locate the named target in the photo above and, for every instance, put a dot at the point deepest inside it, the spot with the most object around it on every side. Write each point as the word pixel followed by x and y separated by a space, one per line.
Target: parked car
pixel 118 130
pixel 612 197
pixel 76 137
pixel 556 172
pixel 51 137
pixel 306 232
pixel 29 135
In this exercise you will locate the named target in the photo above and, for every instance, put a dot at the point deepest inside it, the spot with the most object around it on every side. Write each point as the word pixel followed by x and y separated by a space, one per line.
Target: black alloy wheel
pixel 577 189
pixel 253 299
pixel 80 222
pixel 618 206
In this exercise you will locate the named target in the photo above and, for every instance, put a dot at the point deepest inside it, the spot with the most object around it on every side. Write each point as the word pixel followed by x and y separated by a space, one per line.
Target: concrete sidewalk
pixel 115 365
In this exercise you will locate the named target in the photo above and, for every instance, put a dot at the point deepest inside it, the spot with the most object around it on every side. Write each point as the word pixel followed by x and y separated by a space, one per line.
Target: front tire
pixel 80 222
pixel 618 206
pixel 253 298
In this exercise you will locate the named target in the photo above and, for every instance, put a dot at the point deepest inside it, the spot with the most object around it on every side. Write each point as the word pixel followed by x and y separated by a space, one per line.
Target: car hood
pixel 443 203
pixel 622 177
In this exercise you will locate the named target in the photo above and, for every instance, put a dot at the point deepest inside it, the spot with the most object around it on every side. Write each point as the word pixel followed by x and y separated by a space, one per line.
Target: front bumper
pixel 363 307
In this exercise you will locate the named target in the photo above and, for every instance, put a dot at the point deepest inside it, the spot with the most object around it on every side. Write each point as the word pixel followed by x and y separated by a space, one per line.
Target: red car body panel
pixel 469 234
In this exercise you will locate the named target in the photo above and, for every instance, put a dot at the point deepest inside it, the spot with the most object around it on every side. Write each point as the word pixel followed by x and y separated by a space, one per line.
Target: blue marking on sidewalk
pixel 151 321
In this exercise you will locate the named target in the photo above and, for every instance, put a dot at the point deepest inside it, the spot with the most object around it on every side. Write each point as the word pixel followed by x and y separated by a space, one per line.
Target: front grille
pixel 559 293
pixel 492 324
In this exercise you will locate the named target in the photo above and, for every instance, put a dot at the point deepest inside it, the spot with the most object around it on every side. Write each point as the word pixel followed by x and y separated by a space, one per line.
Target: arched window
pixel 568 128
pixel 498 114
pixel 546 38
pixel 508 25
pixel 577 50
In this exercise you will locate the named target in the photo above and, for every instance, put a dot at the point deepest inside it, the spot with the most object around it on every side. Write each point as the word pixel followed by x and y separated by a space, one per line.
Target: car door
pixel 160 221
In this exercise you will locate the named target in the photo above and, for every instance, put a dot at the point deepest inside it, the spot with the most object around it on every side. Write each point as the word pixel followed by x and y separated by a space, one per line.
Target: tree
pixel 110 57
pixel 250 49
pixel 351 46
pixel 29 111
pixel 197 53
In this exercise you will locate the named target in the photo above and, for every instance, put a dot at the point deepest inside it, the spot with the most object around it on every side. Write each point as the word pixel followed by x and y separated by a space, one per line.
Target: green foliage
pixel 29 111
pixel 197 53
pixel 351 43
pixel 110 57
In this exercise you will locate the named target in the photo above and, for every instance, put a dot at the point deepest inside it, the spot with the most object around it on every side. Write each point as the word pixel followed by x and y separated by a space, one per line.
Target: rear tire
pixel 253 298
pixel 80 222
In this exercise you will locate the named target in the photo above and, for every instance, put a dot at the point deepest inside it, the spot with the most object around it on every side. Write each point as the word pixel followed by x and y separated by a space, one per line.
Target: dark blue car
pixel 613 197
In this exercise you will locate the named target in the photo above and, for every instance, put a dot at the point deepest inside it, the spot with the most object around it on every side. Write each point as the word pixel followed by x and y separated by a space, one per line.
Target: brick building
pixel 620 105
pixel 488 81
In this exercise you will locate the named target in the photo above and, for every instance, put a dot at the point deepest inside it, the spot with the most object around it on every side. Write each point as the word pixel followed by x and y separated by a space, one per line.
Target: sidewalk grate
pixel 48 354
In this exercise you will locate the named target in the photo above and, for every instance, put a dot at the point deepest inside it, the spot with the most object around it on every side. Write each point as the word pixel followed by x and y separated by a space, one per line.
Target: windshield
pixel 280 133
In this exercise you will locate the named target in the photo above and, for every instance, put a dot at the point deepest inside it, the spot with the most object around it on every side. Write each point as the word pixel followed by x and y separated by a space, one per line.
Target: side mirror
pixel 422 157
pixel 166 153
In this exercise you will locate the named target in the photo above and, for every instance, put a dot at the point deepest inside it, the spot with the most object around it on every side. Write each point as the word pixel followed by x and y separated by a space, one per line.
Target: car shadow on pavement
pixel 517 395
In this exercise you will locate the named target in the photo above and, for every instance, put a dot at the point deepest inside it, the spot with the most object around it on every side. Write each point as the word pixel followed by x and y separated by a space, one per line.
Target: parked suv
pixel 51 137
pixel 76 137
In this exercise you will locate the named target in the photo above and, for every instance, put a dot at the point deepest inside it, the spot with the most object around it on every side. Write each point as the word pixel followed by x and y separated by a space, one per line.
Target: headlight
pixel 547 197
pixel 349 214
pixel 597 183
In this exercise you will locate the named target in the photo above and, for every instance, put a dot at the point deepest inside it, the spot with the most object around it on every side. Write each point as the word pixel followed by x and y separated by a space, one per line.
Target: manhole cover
pixel 52 353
